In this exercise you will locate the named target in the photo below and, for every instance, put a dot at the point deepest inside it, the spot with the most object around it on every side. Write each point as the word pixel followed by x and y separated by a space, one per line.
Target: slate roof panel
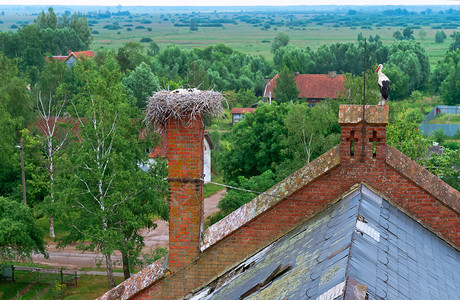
pixel 362 236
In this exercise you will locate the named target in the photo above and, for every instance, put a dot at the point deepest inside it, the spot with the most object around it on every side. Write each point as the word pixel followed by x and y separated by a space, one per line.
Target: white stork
pixel 384 85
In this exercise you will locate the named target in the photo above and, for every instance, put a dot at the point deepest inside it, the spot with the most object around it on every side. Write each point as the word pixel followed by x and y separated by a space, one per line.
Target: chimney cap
pixel 353 114
pixel 332 74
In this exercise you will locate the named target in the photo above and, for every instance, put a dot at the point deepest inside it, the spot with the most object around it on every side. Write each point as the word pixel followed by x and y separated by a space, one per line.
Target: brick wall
pixel 185 168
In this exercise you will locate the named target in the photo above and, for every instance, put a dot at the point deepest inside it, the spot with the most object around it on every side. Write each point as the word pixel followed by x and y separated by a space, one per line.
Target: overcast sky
pixel 227 2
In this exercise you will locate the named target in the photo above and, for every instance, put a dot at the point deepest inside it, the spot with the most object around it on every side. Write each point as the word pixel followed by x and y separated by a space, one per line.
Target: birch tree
pixel 50 114
pixel 107 199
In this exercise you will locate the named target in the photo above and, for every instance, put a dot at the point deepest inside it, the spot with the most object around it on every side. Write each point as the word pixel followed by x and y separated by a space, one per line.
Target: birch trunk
pixel 108 261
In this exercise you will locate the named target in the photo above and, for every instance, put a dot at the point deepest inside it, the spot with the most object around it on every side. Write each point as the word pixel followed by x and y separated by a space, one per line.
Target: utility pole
pixel 24 198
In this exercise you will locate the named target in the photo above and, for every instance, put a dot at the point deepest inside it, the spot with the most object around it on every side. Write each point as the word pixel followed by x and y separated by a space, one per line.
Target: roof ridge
pixel 426 180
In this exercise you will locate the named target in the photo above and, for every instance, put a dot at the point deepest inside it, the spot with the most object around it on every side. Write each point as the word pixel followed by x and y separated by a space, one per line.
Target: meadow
pixel 253 39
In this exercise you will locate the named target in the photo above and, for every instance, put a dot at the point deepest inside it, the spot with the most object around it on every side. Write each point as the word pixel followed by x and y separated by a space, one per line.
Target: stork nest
pixel 183 105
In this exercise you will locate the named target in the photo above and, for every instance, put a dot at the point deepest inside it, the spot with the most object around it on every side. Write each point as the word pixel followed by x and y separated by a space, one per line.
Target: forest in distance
pixel 88 181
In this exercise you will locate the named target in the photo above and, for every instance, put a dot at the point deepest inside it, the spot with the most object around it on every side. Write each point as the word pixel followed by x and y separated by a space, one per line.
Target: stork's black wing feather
pixel 385 89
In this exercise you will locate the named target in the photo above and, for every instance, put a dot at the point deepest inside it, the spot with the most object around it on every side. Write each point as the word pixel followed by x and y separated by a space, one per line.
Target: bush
pixel 149 29
pixel 139 27
pixel 439 135
pixel 95 32
pixel 146 40
pixel 112 27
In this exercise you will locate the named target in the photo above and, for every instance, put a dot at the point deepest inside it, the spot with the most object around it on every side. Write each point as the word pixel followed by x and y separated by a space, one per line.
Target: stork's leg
pixel 380 102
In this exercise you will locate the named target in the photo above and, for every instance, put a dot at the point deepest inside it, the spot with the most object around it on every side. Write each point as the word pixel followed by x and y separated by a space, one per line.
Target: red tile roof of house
pixel 85 54
pixel 243 110
pixel 77 54
pixel 313 86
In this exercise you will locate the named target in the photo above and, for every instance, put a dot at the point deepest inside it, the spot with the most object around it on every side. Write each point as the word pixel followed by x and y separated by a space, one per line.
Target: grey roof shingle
pixel 362 236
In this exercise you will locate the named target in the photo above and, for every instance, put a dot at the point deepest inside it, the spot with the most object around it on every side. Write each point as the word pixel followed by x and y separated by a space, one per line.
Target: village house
pixel 72 57
pixel 313 87
pixel 238 113
pixel 362 221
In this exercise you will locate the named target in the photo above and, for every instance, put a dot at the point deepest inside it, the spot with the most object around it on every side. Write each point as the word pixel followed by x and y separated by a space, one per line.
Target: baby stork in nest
pixel 384 85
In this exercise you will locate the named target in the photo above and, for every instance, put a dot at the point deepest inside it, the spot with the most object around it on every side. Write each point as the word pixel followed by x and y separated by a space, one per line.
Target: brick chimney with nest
pixel 181 113
pixel 185 171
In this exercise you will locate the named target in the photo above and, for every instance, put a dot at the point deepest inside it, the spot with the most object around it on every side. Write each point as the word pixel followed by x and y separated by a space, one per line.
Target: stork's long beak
pixel 377 69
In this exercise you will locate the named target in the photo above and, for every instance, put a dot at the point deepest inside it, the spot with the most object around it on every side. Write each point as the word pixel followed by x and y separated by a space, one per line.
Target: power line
pixel 255 192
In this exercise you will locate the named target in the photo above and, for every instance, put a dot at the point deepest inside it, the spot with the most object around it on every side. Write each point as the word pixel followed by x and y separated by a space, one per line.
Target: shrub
pixel 146 40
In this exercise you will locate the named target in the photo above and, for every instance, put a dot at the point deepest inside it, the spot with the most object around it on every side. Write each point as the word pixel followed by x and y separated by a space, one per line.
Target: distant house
pixel 238 113
pixel 162 151
pixel 72 57
pixel 314 87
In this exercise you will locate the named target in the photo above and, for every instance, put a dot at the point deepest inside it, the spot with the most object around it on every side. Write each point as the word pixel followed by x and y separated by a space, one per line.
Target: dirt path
pixel 72 258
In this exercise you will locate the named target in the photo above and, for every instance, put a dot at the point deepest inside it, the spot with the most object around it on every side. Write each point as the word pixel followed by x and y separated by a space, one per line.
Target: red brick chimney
pixel 181 113
pixel 353 129
pixel 185 170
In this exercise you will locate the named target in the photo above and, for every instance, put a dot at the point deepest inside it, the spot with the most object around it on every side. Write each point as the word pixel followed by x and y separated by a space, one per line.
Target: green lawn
pixel 446 119
pixel 47 286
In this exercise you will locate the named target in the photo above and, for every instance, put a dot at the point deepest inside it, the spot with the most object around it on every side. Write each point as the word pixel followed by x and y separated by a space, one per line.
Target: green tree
pixel 450 87
pixel 403 134
pixel 444 67
pixel 153 48
pixel 281 40
pixel 130 56
pixel 233 199
pixel 360 37
pixel 456 41
pixel 412 59
pixel 286 87
pixel 440 37
pixel 354 89
pixel 44 20
pixel 53 141
pixel 80 26
pixel 141 83
pixel 294 59
pixel 15 114
pixel 197 76
pixel 398 36
pixel 256 143
pixel 105 196
pixel 242 98
pixel 408 33
pixel 19 237
pixel 311 131
pixel 193 25
pixel 447 166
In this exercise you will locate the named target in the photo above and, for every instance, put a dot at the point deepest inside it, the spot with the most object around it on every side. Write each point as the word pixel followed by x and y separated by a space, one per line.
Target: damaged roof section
pixel 361 241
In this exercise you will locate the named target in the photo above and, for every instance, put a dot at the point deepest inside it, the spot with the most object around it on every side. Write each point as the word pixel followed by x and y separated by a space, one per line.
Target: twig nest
pixel 183 105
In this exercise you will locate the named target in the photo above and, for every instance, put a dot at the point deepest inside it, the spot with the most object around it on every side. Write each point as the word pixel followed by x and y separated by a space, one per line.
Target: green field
pixel 247 38
pixel 446 119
